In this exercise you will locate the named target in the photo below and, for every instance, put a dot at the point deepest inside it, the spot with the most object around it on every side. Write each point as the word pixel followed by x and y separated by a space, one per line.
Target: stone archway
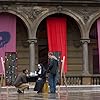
pixel 22 16
pixel 90 22
pixel 23 32
pixel 22 46
pixel 73 42
pixel 65 11
pixel 93 46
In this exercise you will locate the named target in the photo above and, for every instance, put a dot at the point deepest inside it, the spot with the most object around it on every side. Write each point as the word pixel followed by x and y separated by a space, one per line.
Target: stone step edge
pixel 69 86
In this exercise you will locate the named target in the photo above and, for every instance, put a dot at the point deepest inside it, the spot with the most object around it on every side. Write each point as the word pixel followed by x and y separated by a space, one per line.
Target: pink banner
pixel 7 35
pixel 98 30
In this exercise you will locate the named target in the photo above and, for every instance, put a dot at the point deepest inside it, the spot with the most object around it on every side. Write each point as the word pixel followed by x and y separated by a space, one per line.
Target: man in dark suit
pixel 21 81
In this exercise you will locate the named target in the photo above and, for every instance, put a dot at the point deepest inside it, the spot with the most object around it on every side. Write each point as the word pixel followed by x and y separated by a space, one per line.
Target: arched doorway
pixel 93 50
pixel 73 40
pixel 13 44
pixel 22 45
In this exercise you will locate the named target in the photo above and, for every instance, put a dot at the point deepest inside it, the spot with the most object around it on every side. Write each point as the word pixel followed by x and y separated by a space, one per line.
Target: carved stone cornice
pixel 31 12
pixel 4 8
pixel 84 12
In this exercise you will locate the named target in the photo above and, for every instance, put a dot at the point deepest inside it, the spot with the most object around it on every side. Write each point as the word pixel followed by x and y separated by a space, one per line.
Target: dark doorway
pixel 95 61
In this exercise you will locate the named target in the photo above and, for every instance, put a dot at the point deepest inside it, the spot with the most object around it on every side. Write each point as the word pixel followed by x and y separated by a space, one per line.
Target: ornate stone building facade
pixel 31 33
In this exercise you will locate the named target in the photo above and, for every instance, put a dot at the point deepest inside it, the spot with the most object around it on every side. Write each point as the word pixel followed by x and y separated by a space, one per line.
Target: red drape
pixel 57 36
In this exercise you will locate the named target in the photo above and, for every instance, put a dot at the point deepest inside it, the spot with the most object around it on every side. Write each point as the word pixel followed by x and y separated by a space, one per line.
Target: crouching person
pixel 41 78
pixel 21 81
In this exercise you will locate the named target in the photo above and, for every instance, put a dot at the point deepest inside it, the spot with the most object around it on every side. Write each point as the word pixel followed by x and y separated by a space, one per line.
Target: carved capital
pixel 85 41
pixel 32 41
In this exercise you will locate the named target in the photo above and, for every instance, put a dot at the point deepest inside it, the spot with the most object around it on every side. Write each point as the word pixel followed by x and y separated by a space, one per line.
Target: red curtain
pixel 57 36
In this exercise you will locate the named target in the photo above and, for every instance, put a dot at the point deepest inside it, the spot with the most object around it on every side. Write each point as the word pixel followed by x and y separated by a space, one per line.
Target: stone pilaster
pixel 85 56
pixel 32 54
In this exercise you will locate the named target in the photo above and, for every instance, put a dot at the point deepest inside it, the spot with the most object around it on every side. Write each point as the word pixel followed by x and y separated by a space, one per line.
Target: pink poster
pixel 7 35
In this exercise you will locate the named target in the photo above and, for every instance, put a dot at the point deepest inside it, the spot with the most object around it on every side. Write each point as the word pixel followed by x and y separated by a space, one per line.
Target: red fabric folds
pixel 57 36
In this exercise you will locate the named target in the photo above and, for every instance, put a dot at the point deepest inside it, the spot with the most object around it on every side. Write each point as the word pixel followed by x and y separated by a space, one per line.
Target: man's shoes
pixel 39 91
pixel 28 88
pixel 52 92
pixel 19 91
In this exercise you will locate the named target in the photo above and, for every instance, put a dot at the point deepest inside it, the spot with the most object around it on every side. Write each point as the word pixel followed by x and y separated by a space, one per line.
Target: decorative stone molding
pixel 4 8
pixel 59 9
pixel 31 12
pixel 85 12
pixel 85 41
pixel 85 56
pixel 32 41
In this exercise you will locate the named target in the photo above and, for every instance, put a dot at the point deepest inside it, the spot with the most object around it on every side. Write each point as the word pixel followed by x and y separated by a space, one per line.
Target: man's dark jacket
pixel 53 66
pixel 21 78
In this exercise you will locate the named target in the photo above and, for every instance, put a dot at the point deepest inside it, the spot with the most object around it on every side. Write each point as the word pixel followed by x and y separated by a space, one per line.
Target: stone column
pixel 85 57
pixel 32 54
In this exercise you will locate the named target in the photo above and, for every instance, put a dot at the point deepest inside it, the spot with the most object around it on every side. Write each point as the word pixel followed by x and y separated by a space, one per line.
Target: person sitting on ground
pixel 21 81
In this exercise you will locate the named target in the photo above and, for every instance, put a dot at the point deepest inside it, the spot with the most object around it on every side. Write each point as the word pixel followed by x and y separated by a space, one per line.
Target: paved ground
pixel 74 93
pixel 91 95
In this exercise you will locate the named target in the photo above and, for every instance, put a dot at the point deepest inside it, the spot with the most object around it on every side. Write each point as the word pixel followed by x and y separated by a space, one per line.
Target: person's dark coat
pixel 21 78
pixel 53 66
pixel 43 73
pixel 41 79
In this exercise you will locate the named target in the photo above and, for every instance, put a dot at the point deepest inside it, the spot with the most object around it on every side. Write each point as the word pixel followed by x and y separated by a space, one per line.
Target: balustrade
pixel 83 80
